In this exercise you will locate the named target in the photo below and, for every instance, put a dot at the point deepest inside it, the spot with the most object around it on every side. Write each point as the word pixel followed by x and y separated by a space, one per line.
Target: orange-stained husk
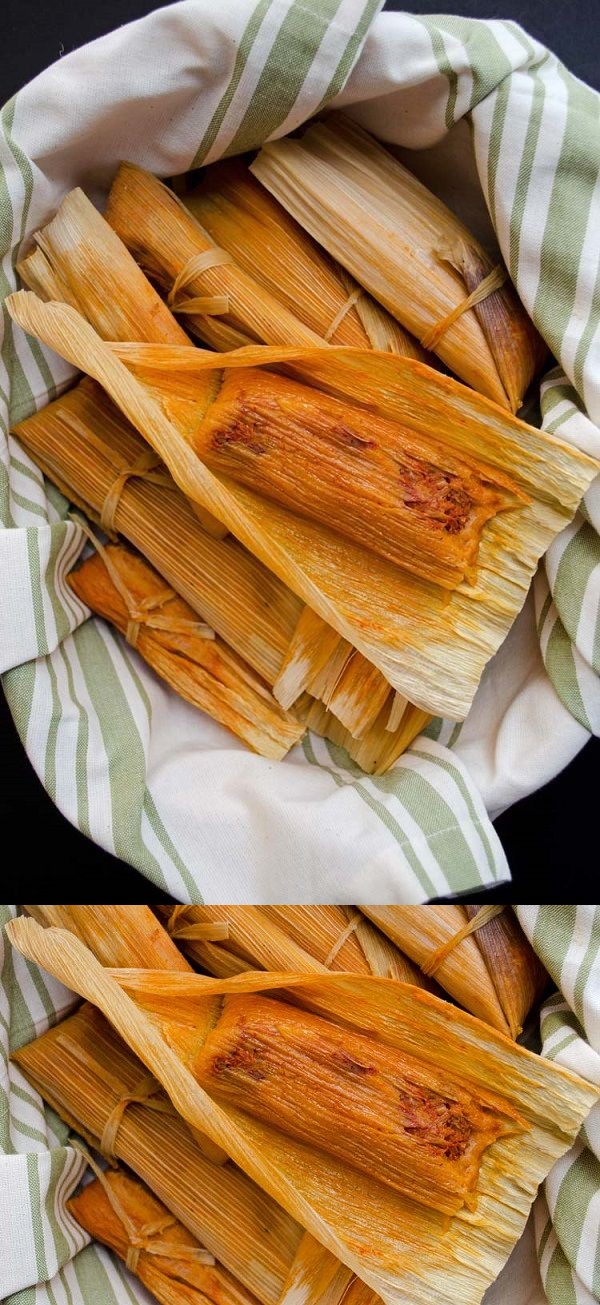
pixel 361 474
pixel 203 671
pixel 366 1103
pixel 172 1277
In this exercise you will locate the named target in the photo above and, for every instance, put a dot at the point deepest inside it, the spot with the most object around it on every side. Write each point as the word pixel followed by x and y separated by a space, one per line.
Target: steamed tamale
pixel 122 1213
pixel 165 238
pixel 431 649
pixel 243 218
pixel 202 670
pixel 366 477
pixel 371 1106
pixel 402 243
pixel 399 1247
pixel 492 971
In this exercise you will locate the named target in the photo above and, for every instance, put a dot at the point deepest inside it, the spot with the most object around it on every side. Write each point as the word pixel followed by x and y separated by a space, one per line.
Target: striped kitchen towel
pixel 41 1257
pixel 143 773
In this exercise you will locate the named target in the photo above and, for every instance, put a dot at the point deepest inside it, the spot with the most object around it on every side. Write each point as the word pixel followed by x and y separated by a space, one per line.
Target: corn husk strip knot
pixel 211 305
pixel 210 931
pixel 144 468
pixel 342 312
pixel 146 1088
pixel 145 1240
pixel 143 613
pixel 482 918
pixel 346 933
pixel 490 284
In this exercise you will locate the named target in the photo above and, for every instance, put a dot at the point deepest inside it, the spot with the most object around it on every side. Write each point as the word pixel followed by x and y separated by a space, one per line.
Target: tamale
pixel 431 649
pixel 83 1069
pixel 364 476
pixel 493 971
pixel 122 1213
pixel 299 938
pixel 203 671
pixel 406 247
pixel 243 218
pixel 399 1247
pixel 370 1106
pixel 164 237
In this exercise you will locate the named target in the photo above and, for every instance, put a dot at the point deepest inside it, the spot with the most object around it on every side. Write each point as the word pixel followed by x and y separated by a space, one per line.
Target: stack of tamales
pixel 387 518
pixel 382 1142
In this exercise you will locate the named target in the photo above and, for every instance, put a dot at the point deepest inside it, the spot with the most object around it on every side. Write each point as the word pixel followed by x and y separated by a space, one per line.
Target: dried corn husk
pixel 493 971
pixel 370 1228
pixel 377 748
pixel 402 243
pixel 83 443
pixel 83 1069
pixel 202 670
pixel 122 1213
pixel 241 217
pixel 432 650
pixel 299 938
pixel 163 237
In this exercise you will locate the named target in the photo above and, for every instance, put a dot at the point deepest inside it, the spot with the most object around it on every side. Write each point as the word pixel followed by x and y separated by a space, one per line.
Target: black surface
pixel 550 838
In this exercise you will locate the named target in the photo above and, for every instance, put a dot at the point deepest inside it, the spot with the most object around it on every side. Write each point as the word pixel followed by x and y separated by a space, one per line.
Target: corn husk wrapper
pixel 83 443
pixel 398 1248
pixel 122 1213
pixel 202 670
pixel 311 939
pixel 431 649
pixel 493 971
pixel 243 218
pixel 402 243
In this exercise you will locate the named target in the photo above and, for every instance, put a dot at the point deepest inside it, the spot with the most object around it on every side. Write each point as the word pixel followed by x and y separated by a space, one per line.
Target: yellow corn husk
pixel 431 649
pixel 83 1069
pixel 163 237
pixel 337 939
pixel 243 218
pixel 377 748
pixel 203 671
pixel 493 971
pixel 83 443
pixel 122 1213
pixel 517 973
pixel 394 1244
pixel 402 243
pixel 367 478
pixel 311 939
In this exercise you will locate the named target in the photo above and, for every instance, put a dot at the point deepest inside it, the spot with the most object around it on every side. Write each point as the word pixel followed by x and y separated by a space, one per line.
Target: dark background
pixel 550 838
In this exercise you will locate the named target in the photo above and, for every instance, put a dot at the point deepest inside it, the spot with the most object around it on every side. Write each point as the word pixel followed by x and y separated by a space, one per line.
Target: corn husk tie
pixel 142 1092
pixel 492 282
pixel 346 933
pixel 146 1240
pixel 211 305
pixel 211 931
pixel 438 957
pixel 342 312
pixel 144 613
